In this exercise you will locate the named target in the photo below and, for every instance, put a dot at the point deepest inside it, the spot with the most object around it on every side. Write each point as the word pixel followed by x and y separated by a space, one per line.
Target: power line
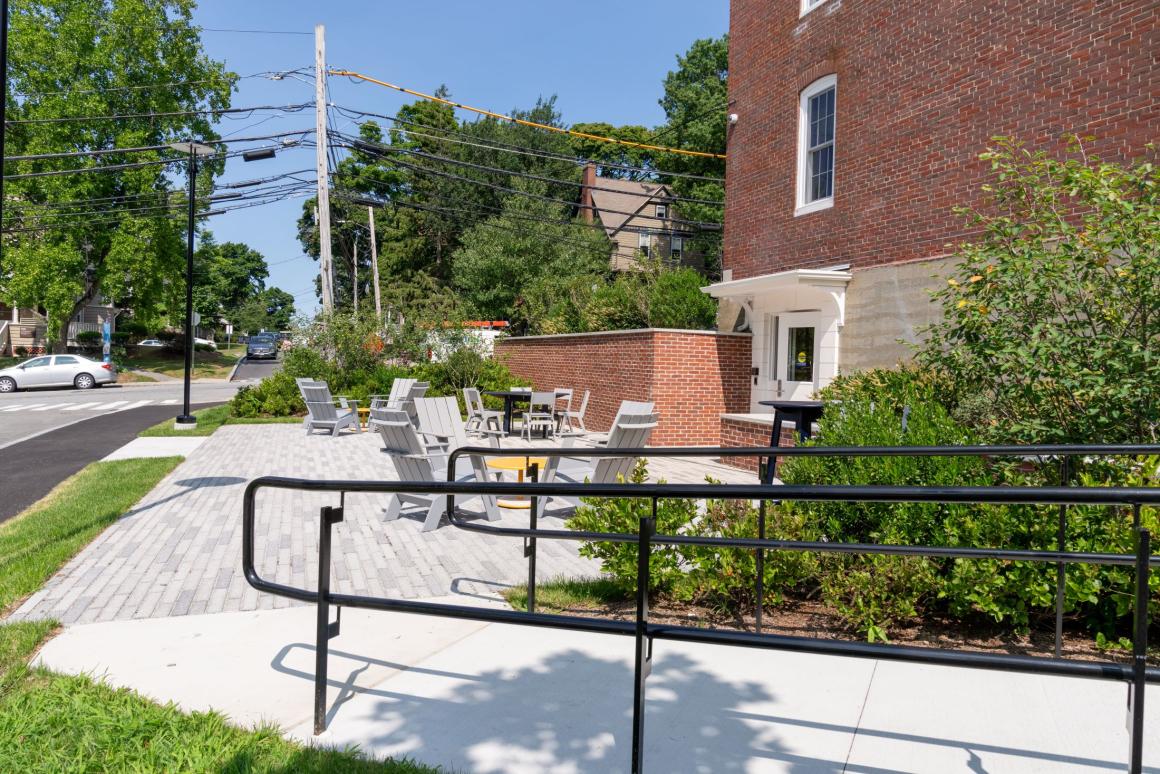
pixel 171 114
pixel 145 87
pixel 140 149
pixel 525 122
pixel 358 144
pixel 507 189
pixel 488 144
pixel 255 32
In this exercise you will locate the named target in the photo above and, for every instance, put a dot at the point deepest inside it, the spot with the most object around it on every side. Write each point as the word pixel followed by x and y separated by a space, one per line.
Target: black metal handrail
pixel 1136 674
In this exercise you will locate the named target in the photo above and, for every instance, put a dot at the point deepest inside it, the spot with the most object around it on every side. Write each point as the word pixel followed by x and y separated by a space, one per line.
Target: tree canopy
pixel 116 232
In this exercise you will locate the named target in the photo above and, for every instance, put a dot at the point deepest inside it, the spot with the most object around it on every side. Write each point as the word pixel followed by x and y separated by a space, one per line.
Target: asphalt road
pixel 33 467
pixel 255 369
pixel 25 414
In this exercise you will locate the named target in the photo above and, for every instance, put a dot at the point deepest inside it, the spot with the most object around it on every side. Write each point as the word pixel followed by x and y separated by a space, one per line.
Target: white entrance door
pixel 796 355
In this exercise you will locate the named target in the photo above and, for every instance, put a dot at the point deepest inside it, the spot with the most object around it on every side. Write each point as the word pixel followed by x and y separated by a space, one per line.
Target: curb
pixel 237 365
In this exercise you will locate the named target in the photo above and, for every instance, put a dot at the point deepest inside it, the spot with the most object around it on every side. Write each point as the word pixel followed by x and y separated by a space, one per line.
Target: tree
pixel 504 256
pixel 93 58
pixel 1051 324
pixel 270 310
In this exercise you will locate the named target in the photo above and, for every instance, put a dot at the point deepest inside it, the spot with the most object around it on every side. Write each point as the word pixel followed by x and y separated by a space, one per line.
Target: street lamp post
pixel 195 149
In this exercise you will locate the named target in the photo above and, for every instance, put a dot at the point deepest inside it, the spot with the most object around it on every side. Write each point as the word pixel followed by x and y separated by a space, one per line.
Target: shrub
pixel 675 300
pixel 275 396
pixel 89 340
pixel 618 305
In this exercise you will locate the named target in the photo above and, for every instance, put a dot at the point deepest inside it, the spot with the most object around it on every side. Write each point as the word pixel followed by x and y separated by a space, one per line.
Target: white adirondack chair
pixel 478 416
pixel 321 411
pixel 630 431
pixel 627 407
pixel 442 426
pixel 414 461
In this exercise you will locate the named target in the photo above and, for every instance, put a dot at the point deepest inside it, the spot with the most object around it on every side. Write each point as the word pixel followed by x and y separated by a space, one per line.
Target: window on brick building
pixel 809 5
pixel 816 133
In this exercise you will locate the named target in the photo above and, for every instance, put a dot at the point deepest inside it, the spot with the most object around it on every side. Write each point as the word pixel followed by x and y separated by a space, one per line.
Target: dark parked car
pixel 261 347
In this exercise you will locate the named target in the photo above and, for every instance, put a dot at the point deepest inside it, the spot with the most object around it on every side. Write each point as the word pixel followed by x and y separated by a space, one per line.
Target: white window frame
pixel 809 5
pixel 804 207
pixel 662 211
pixel 676 247
pixel 644 243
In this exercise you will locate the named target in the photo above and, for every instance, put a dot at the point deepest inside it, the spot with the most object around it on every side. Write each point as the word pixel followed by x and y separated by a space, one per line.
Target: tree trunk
pixel 60 344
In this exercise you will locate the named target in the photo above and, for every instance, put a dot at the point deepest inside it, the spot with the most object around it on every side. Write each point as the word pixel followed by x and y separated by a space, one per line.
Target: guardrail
pixel 1135 675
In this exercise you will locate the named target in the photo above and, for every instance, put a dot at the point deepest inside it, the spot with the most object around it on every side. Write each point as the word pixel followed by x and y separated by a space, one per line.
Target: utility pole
pixel 3 100
pixel 354 274
pixel 322 142
pixel 375 264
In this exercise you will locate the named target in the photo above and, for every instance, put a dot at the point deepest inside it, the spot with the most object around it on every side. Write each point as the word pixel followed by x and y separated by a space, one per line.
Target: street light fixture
pixel 194 150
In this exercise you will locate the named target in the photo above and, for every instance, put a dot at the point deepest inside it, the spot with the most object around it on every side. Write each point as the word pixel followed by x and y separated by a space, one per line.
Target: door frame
pixel 785 387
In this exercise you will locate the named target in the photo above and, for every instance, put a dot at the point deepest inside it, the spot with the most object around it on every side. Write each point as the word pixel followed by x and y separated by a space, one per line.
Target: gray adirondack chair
pixel 321 411
pixel 627 407
pixel 570 417
pixel 442 426
pixel 630 431
pixel 415 461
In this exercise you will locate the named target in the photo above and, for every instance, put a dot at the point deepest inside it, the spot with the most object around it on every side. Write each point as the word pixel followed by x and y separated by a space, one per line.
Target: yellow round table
pixel 519 465
pixel 364 415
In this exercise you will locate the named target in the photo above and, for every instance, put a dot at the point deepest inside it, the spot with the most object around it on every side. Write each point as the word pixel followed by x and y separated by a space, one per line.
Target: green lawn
pixel 35 544
pixel 51 722
pixel 561 595
pixel 206 365
pixel 209 420
pixel 62 723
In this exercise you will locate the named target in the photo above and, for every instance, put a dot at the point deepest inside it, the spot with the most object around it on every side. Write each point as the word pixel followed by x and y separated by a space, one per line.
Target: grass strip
pixel 35 544
pixel 209 420
pixel 560 595
pixel 206 364
pixel 51 722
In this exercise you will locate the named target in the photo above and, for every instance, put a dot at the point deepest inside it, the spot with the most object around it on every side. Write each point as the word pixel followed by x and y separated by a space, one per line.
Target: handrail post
pixel 325 630
pixel 530 542
pixel 643 665
pixel 760 566
pixel 1139 653
pixel 1061 567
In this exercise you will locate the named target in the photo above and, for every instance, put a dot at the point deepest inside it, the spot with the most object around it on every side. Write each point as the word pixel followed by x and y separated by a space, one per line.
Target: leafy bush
pixel 1051 318
pixel 275 396
pixel 618 305
pixel 89 340
pixel 675 300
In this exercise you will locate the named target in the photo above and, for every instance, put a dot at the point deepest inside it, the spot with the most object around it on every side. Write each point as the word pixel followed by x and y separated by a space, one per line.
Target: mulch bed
pixel 811 618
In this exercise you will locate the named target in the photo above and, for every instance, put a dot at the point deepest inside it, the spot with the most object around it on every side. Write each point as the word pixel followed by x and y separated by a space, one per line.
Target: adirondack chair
pixel 630 431
pixel 442 427
pixel 322 413
pixel 415 461
pixel 414 389
pixel 478 416
pixel 626 407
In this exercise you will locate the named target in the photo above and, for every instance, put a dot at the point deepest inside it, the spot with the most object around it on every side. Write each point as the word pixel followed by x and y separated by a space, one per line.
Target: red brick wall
pixel 737 433
pixel 922 86
pixel 693 377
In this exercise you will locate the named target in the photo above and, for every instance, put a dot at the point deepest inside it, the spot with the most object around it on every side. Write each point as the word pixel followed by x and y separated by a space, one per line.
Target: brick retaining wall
pixel 692 376
pixel 737 432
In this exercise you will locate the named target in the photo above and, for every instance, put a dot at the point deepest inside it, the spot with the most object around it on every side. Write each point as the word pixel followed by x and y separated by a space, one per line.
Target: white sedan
pixel 57 371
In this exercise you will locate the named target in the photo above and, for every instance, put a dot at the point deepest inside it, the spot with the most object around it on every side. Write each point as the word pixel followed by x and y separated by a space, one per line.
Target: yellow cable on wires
pixel 512 119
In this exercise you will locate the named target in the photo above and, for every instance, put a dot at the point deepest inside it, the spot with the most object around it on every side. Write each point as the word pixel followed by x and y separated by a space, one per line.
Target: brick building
pixel 857 128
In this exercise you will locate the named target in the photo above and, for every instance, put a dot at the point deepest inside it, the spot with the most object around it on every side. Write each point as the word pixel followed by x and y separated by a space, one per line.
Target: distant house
pixel 640 219
pixel 26 330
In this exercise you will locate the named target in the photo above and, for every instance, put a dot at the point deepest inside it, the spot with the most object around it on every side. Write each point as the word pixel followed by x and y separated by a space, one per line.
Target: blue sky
pixel 605 60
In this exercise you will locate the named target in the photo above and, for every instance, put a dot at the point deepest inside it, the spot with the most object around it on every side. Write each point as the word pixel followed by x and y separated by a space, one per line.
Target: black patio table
pixel 510 397
pixel 803 413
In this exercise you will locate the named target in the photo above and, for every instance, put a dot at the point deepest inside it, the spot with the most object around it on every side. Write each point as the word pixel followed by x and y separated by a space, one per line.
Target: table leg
pixel 508 402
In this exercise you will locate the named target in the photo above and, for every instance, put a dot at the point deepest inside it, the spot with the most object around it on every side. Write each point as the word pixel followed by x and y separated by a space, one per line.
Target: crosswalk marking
pixel 103 406
pixel 80 406
pixel 51 406
pixel 169 402
pixel 23 408
pixel 138 404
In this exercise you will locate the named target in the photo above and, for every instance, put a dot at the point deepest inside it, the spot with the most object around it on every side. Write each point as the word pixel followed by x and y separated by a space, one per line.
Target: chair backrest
pixel 402 443
pixel 631 407
pixel 584 403
pixel 399 389
pixel 630 431
pixel 440 416
pixel 319 402
pixel 544 402
pixel 473 401
pixel 564 394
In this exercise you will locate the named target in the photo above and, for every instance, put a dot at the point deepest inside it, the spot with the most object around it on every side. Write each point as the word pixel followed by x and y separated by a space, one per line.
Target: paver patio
pixel 178 551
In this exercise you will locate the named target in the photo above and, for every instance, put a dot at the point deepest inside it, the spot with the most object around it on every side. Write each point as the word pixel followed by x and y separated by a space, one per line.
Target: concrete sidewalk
pixel 491 698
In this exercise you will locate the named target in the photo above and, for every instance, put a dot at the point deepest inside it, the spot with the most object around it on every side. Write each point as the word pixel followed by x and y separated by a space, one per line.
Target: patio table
pixel 803 413
pixel 510 398
pixel 519 465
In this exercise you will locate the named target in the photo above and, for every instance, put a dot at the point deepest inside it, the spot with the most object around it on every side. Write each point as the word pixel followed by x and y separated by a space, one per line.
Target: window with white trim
pixel 817 130
pixel 662 211
pixel 809 5
pixel 643 242
pixel 676 247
